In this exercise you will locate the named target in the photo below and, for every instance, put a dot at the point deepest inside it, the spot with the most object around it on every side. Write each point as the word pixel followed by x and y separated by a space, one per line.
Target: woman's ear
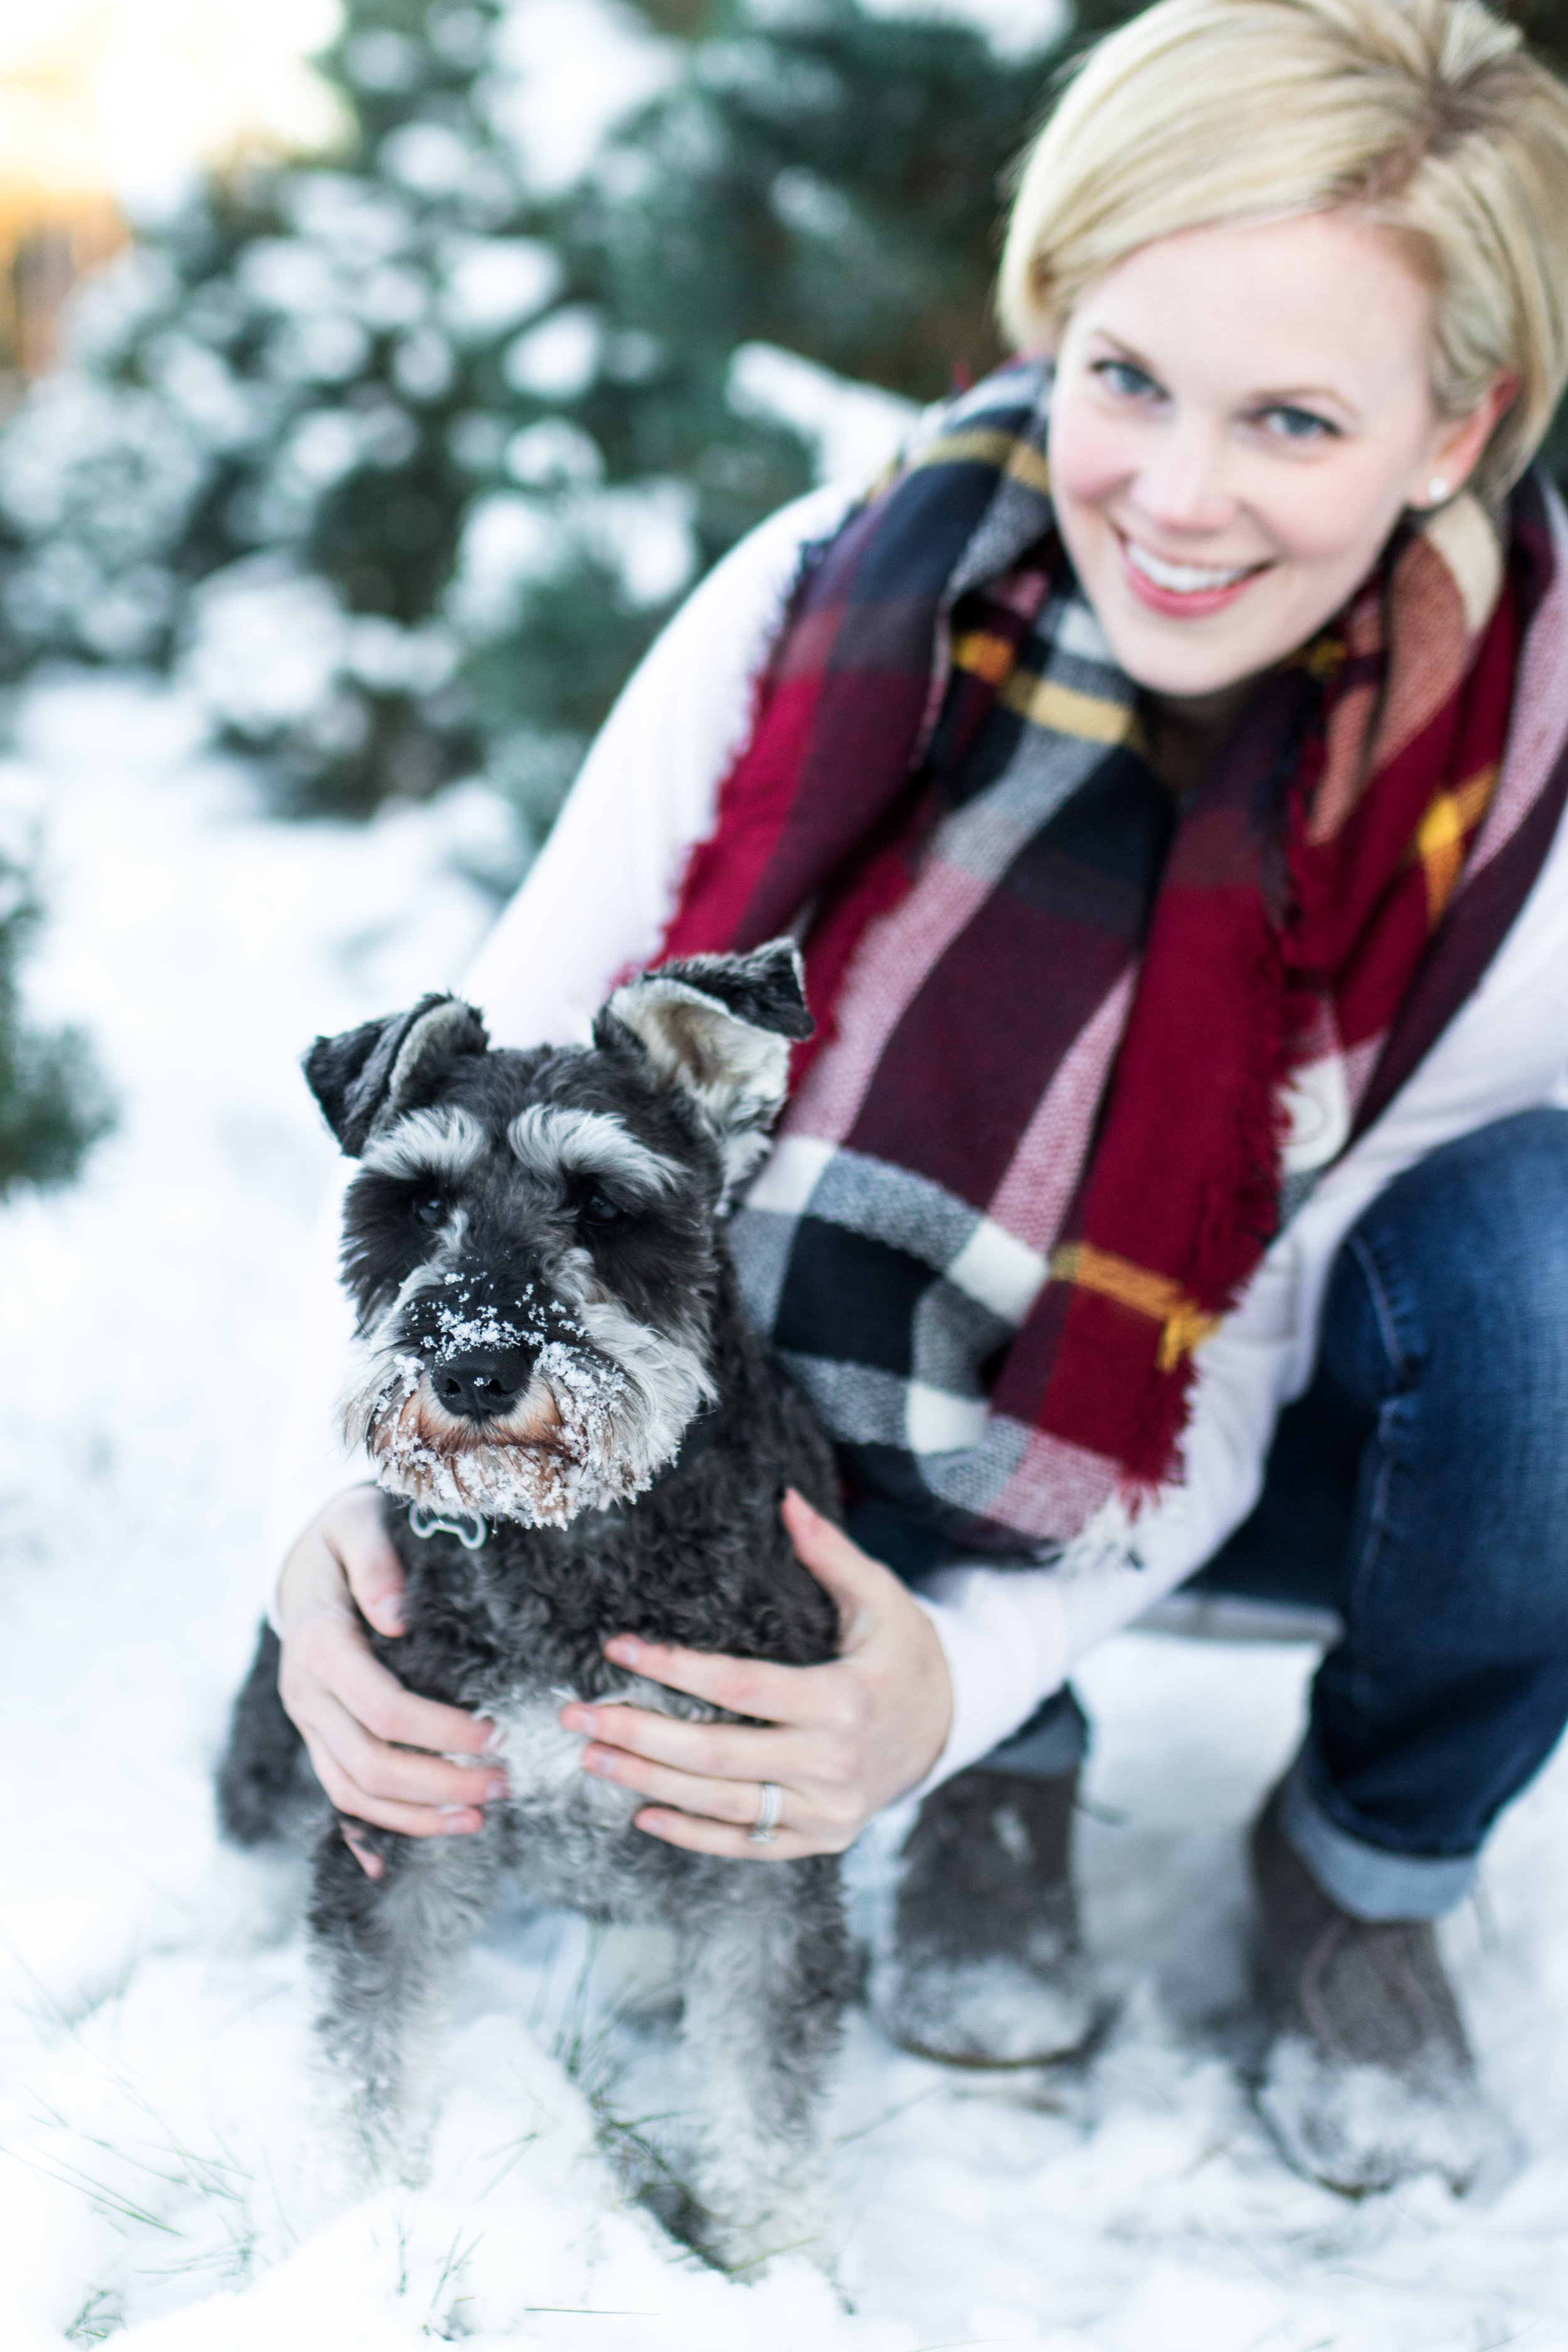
pixel 1456 451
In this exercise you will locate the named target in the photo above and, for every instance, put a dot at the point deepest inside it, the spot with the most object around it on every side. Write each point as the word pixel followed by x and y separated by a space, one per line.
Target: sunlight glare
pixel 123 98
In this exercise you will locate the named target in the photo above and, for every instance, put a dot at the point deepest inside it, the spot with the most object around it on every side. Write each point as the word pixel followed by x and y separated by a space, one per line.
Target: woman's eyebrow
pixel 1290 395
pixel 1265 397
pixel 1128 352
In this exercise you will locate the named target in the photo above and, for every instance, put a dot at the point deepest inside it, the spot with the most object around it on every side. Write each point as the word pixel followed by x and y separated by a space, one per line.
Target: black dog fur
pixel 482 1182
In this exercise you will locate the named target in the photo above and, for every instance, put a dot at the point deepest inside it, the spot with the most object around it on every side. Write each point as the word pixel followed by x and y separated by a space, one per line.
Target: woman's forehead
pixel 1322 303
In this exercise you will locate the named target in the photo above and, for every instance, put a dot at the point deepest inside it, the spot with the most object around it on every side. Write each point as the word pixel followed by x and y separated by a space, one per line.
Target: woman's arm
pixel 922 1689
pixel 1010 1636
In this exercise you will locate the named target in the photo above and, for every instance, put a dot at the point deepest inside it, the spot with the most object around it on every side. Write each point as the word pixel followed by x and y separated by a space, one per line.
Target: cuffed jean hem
pixel 1368 1881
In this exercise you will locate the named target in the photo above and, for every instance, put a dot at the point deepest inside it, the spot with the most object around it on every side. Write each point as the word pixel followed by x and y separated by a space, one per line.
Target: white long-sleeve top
pixel 598 900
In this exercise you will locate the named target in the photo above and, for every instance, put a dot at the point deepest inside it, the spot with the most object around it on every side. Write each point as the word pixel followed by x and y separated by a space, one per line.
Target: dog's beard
pixel 595 1424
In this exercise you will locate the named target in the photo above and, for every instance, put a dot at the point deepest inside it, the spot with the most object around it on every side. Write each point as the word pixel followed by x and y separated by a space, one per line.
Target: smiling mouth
pixel 1185 579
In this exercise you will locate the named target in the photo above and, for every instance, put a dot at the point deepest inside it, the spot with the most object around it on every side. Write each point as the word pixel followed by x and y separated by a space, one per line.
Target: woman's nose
pixel 1182 485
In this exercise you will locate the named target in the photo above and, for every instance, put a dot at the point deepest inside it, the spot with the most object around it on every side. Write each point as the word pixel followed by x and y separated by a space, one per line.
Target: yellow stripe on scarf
pixel 1443 834
pixel 984 654
pixel 1044 703
pixel 1155 1295
pixel 1009 456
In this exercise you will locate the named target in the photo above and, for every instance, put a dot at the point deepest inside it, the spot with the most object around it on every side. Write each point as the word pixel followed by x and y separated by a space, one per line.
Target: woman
pixel 1166 773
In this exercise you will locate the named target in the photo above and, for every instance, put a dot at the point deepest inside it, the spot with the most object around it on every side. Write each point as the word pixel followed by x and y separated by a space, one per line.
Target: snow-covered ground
pixel 153 2027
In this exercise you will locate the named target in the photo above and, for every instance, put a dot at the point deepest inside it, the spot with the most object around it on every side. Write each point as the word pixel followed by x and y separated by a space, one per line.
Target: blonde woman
pixel 1166 775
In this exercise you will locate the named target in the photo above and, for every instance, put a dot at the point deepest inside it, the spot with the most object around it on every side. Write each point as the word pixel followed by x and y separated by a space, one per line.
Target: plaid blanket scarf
pixel 1082 1049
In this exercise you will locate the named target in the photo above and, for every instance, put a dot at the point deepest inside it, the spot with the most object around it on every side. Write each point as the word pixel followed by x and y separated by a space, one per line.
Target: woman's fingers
pixel 855 1580
pixel 411 1821
pixel 379 1752
pixel 742 1685
pixel 842 1740
pixel 335 1652
pixel 817 1696
pixel 399 1775
pixel 715 1751
pixel 701 1836
pixel 723 1801
pixel 353 1838
pixel 374 1573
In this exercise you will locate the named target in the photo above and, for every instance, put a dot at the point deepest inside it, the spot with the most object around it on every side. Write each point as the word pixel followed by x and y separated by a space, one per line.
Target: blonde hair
pixel 1424 117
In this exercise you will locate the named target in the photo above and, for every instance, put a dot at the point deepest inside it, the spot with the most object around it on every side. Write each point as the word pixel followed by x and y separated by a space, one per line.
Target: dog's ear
pixel 372 1073
pixel 719 1028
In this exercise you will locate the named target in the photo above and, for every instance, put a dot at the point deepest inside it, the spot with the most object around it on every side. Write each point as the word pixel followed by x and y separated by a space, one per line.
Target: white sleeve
pixel 598 896
pixel 1011 1637
pixel 595 901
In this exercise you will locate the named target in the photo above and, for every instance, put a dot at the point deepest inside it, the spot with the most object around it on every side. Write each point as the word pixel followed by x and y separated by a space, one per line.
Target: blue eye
pixel 1299 425
pixel 431 1210
pixel 1121 376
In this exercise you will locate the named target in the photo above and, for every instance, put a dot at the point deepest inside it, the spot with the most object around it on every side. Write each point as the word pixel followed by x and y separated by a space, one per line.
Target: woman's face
pixel 1240 417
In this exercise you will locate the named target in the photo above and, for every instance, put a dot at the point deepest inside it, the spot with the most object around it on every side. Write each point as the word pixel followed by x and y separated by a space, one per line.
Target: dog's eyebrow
pixel 549 1137
pixel 428 1143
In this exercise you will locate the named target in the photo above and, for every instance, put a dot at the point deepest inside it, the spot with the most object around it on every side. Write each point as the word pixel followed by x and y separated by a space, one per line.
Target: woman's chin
pixel 1195 655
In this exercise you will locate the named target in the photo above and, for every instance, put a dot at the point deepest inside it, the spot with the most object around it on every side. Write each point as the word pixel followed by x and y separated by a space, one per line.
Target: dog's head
pixel 532 1238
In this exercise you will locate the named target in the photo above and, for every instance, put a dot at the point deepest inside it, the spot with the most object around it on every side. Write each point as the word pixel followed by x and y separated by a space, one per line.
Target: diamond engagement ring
pixel 770 1805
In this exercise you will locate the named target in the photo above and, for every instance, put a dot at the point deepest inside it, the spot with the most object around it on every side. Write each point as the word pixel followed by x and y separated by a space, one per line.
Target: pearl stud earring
pixel 1437 489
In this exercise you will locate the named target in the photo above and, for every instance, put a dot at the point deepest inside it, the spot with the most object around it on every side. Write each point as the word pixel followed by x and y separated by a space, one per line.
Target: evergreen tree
pixel 51 1104
pixel 405 463
pixel 264 455
pixel 402 462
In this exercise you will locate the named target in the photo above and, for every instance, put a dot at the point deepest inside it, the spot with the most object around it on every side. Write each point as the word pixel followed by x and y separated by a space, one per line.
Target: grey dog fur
pixel 690 1068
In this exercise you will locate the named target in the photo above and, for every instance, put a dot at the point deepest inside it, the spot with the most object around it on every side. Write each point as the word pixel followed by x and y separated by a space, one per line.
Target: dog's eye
pixel 431 1210
pixel 596 1210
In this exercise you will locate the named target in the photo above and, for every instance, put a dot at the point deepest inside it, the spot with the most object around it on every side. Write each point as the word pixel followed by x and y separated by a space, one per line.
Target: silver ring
pixel 770 1805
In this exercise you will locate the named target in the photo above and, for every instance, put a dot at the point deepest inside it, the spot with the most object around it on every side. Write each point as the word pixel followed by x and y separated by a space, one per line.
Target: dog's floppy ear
pixel 719 1026
pixel 371 1072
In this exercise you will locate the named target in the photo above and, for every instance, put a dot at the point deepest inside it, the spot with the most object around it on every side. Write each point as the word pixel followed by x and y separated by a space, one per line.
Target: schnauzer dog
pixel 578 1436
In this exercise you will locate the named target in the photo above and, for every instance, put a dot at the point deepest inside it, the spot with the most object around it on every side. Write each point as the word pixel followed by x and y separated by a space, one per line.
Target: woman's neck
pixel 1183 731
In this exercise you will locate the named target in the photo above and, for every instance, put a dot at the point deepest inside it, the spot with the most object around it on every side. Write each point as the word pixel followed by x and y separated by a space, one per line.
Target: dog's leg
pixel 266 1788
pixel 385 1953
pixel 767 1972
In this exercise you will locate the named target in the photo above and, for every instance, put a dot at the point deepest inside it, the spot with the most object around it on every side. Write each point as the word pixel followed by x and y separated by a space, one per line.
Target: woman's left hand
pixel 839 1742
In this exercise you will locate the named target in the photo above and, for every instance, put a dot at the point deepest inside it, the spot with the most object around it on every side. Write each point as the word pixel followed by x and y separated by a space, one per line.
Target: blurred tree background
pixel 398 455
pixel 52 1106
pixel 401 456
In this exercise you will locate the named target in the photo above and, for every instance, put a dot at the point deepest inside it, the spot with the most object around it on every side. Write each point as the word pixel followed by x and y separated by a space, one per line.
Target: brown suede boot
pixel 1369 2078
pixel 986 1967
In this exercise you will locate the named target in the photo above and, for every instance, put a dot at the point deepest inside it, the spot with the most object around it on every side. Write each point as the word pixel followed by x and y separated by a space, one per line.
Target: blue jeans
pixel 1419 1489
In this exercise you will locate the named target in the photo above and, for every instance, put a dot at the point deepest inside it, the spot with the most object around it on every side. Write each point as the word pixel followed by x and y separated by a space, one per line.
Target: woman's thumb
pixel 853 1577
pixel 375 1578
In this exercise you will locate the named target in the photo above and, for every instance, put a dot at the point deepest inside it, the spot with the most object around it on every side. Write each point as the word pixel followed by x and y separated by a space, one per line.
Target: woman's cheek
pixel 1091 457
pixel 1329 517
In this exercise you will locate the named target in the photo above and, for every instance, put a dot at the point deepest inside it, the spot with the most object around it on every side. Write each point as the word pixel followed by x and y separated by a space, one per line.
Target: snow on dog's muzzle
pixel 533 1414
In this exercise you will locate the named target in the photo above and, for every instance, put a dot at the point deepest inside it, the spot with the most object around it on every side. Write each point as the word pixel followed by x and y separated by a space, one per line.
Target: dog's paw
pixel 748 2223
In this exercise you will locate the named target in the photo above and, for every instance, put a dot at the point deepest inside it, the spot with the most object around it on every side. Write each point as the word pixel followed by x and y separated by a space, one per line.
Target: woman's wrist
pixel 1002 1640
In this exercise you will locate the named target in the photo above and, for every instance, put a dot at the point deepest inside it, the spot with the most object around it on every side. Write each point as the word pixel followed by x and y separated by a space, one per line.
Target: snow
pixel 856 429
pixel 156 2138
pixel 555 115
pixel 1013 27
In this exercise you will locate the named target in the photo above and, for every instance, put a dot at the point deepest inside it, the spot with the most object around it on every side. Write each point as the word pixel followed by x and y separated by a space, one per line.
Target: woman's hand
pixel 840 1741
pixel 380 1753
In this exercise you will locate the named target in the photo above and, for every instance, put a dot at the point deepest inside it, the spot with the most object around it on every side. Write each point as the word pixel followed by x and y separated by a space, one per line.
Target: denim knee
pixel 1447 1323
pixel 1466 1251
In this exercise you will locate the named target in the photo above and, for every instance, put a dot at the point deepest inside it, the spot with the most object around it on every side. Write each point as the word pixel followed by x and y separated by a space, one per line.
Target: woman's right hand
pixel 381 1754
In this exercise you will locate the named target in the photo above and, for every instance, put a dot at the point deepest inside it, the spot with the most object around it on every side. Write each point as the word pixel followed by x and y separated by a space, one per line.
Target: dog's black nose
pixel 485 1383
